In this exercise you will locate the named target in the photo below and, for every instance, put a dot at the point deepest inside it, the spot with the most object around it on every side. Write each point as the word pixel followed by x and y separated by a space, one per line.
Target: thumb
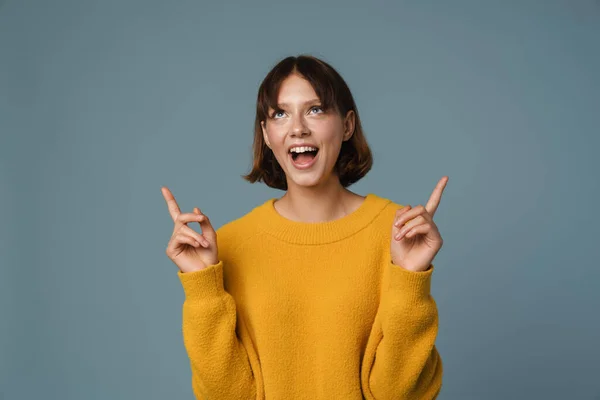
pixel 207 228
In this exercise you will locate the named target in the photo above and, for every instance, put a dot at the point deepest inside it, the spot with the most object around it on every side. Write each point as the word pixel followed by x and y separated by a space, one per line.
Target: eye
pixel 317 108
pixel 276 112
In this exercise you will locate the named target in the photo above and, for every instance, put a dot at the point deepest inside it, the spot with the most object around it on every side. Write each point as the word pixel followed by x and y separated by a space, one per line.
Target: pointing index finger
pixel 171 203
pixel 434 200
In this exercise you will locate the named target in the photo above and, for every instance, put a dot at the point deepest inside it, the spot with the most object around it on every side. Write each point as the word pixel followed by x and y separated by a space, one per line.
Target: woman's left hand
pixel 415 237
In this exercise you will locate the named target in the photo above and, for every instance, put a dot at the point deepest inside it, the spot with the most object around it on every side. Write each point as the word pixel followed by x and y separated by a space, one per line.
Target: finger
pixel 181 238
pixel 186 230
pixel 403 210
pixel 436 196
pixel 419 230
pixel 399 213
pixel 205 225
pixel 410 225
pixel 171 203
pixel 410 214
pixel 186 218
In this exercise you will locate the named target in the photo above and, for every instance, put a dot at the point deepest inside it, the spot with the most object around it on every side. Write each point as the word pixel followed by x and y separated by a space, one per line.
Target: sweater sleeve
pixel 401 361
pixel 219 362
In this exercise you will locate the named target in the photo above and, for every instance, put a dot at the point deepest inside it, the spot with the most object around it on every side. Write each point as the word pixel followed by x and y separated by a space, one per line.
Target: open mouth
pixel 304 157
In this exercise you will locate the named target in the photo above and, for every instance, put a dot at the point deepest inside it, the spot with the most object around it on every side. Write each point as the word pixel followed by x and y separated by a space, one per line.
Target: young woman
pixel 322 293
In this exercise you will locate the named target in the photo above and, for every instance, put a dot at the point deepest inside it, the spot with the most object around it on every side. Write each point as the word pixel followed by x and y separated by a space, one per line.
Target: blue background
pixel 104 102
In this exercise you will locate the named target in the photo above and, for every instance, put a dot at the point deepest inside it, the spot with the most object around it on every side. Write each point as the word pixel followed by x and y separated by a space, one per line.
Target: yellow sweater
pixel 297 310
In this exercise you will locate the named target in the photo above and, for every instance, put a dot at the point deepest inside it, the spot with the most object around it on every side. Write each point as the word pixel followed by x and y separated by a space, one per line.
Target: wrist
pixel 413 269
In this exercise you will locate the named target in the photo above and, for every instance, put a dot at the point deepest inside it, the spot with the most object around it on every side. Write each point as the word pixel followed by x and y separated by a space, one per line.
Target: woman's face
pixel 300 121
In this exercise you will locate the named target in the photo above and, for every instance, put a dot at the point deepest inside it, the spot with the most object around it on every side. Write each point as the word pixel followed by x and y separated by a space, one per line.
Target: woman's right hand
pixel 188 249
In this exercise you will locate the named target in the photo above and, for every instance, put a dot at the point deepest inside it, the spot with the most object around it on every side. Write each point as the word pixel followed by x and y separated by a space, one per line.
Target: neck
pixel 317 203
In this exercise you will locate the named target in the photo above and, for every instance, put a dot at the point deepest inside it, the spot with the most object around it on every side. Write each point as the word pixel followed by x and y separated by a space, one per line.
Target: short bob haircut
pixel 355 158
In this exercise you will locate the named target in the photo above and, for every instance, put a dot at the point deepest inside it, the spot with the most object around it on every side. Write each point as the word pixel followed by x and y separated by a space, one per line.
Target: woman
pixel 323 293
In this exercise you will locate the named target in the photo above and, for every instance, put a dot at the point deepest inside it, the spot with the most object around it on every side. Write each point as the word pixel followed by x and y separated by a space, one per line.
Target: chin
pixel 309 180
pixel 306 182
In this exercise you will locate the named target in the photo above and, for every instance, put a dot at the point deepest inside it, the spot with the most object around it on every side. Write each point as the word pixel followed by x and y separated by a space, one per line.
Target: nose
pixel 299 127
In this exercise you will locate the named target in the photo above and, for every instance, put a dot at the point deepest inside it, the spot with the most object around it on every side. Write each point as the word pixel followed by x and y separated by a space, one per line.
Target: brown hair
pixel 355 158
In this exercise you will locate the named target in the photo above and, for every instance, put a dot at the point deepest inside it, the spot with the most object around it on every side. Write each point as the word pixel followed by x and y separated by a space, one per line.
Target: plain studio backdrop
pixel 104 102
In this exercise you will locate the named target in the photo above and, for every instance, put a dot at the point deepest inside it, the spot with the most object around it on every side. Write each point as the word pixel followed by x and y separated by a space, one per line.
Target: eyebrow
pixel 305 103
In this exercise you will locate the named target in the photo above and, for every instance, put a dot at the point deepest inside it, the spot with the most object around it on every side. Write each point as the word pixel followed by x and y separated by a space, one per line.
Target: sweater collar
pixel 311 233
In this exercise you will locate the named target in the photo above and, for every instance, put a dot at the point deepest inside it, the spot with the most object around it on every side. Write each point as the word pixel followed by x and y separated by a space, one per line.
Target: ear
pixel 349 123
pixel 264 131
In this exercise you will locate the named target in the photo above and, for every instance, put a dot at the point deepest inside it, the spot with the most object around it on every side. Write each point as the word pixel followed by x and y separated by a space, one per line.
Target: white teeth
pixel 302 149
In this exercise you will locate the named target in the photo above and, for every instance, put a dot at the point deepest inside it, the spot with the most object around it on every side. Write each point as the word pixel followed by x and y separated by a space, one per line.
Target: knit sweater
pixel 298 310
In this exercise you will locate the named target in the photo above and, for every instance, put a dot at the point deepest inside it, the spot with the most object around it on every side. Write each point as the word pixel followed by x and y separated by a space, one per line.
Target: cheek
pixel 328 128
pixel 331 135
pixel 276 137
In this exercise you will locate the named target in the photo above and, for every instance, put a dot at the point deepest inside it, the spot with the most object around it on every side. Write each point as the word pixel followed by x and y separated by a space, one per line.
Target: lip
pixel 303 166
pixel 303 144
